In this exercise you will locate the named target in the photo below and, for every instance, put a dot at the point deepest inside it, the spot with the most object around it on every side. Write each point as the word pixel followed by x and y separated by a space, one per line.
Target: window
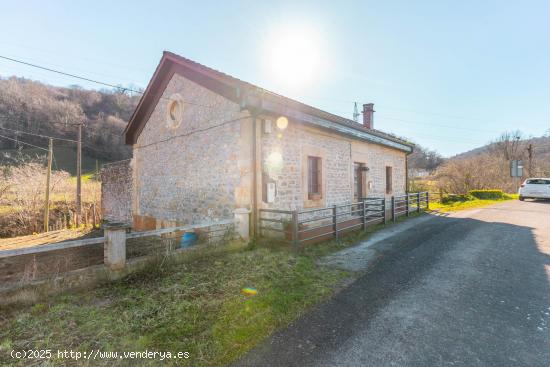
pixel 314 178
pixel 174 111
pixel 389 179
pixel 538 181
pixel 358 180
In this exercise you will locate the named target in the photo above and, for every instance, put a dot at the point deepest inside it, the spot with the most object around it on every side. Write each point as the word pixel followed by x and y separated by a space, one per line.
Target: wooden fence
pixel 319 224
pixel 91 216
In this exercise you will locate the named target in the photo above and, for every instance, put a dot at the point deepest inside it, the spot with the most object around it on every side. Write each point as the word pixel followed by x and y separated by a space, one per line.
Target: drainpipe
pixel 254 221
pixel 407 171
pixel 245 104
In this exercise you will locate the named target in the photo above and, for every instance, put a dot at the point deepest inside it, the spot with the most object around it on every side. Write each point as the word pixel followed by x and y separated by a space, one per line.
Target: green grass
pixel 469 204
pixel 195 305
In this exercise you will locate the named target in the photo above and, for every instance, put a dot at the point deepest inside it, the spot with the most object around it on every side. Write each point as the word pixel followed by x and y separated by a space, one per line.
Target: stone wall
pixel 25 268
pixel 116 192
pixel 284 160
pixel 196 171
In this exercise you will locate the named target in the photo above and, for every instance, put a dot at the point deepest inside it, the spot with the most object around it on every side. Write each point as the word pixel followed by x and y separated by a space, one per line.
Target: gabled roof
pixel 248 96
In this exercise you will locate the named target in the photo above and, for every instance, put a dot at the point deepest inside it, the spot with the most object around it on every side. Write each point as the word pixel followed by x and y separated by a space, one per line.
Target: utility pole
pixel 47 200
pixel 79 175
pixel 530 152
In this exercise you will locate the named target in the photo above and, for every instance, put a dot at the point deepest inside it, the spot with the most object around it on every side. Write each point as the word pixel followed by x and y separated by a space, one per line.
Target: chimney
pixel 368 112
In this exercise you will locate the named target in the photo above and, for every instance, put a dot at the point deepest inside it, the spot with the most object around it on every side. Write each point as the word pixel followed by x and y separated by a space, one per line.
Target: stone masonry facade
pixel 284 161
pixel 193 172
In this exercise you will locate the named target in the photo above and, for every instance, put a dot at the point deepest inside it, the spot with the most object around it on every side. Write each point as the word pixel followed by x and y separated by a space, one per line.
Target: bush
pixel 487 194
pixel 456 198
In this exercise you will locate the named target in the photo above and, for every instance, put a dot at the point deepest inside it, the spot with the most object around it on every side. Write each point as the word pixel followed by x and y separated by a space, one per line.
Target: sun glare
pixel 294 56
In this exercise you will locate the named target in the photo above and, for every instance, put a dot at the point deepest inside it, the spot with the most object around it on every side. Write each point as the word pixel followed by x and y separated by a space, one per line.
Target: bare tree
pixel 511 145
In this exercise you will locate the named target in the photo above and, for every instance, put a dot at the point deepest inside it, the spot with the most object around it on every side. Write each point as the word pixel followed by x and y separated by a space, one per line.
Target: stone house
pixel 206 144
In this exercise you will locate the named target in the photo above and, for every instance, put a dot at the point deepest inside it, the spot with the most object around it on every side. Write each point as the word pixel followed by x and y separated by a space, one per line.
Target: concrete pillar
pixel 242 222
pixel 114 249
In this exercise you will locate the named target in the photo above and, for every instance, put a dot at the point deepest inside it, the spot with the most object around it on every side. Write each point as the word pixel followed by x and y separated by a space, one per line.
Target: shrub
pixel 456 198
pixel 488 194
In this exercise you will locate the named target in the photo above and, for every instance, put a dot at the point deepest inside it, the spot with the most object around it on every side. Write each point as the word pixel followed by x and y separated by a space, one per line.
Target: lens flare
pixel 295 54
pixel 249 291
pixel 282 122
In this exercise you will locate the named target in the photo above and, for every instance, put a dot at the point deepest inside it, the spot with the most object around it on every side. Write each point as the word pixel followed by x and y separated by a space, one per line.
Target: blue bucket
pixel 188 239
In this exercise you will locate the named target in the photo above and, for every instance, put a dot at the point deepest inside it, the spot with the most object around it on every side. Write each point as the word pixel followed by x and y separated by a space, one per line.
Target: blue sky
pixel 449 75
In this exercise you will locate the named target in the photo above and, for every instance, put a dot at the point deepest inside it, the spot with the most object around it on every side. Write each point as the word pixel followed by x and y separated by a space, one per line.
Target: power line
pixel 91 80
pixel 439 125
pixel 193 131
pixel 389 107
pixel 197 104
pixel 62 139
pixel 429 137
pixel 39 135
pixel 141 92
pixel 22 142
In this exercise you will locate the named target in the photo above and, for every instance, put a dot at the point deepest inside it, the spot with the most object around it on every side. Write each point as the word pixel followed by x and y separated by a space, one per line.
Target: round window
pixel 174 112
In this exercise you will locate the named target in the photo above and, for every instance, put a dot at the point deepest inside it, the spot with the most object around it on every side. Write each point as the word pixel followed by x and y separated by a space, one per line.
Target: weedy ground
pixel 190 304
pixel 193 304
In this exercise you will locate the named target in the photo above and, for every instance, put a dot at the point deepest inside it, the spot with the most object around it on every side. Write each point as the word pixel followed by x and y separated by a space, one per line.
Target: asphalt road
pixel 469 289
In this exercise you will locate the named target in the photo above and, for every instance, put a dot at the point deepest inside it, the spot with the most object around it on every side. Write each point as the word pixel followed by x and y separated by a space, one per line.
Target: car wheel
pixel 521 198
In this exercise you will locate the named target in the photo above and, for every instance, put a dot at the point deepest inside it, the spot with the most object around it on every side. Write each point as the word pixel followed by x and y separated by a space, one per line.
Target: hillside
pixel 31 106
pixel 488 167
pixel 541 149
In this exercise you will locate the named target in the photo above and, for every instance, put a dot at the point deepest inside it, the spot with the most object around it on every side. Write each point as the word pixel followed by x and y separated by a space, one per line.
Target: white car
pixel 535 188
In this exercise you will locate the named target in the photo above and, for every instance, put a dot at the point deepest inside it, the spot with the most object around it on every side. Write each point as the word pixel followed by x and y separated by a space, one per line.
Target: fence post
pixel 418 202
pixel 384 209
pixel 93 215
pixel 427 200
pixel 242 222
pixel 335 222
pixel 364 214
pixel 295 239
pixel 393 209
pixel 114 248
pixel 407 198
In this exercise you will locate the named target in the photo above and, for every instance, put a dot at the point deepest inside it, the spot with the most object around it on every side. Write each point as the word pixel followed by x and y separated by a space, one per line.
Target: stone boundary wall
pixel 29 267
pixel 81 279
pixel 116 192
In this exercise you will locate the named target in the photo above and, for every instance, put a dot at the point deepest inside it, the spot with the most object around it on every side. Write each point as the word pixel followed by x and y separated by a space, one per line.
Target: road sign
pixel 516 168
